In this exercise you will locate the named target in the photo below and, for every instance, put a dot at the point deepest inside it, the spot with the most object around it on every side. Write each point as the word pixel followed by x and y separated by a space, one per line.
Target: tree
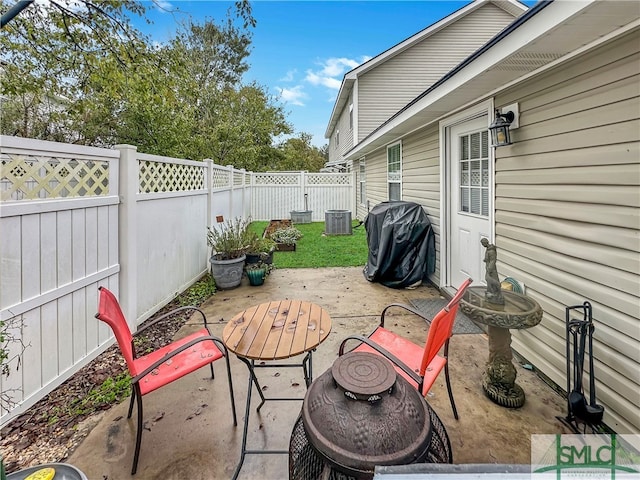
pixel 324 151
pixel 237 128
pixel 299 154
pixel 48 53
pixel 84 75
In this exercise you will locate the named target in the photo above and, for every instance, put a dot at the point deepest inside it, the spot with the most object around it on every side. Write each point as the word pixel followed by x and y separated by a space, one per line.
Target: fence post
pixel 231 187
pixel 127 233
pixel 303 187
pixel 254 197
pixel 243 190
pixel 208 184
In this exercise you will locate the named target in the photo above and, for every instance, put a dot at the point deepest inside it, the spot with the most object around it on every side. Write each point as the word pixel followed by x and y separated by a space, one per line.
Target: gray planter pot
pixel 227 273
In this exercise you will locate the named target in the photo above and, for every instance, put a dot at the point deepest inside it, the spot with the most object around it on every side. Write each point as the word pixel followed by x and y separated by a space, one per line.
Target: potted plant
pixel 256 273
pixel 229 242
pixel 286 238
pixel 260 250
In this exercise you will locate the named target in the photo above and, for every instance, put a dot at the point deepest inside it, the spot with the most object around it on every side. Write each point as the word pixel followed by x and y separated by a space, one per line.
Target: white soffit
pixel 557 30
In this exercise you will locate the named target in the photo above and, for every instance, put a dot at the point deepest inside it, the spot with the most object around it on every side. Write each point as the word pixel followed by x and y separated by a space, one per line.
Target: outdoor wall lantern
pixel 500 135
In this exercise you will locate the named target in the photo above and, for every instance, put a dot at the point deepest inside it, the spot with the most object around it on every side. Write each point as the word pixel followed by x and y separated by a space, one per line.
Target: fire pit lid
pixel 364 376
pixel 360 414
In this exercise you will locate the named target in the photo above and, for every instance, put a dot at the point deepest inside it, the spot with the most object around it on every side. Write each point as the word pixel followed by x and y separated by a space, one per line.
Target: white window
pixel 394 171
pixel 337 137
pixel 363 182
pixel 474 173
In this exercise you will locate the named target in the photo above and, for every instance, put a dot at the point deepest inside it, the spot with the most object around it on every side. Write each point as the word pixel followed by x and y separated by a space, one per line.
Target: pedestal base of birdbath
pixel 499 378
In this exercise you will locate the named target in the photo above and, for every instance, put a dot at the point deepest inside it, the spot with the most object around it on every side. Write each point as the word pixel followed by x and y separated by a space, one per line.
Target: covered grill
pixel 360 414
pixel 402 245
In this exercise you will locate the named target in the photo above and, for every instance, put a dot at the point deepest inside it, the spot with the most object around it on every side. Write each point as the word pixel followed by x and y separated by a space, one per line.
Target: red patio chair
pixel 161 367
pixel 419 364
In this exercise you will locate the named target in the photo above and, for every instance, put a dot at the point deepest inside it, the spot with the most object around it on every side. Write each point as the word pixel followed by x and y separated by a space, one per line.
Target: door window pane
pixel 474 173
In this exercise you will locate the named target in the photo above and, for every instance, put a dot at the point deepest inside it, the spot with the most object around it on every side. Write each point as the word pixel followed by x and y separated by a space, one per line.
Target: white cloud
pixel 163 5
pixel 293 95
pixel 315 79
pixel 338 66
pixel 289 76
pixel 331 72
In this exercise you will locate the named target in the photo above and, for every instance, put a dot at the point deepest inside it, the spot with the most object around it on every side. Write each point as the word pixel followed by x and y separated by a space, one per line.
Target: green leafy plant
pixel 230 240
pixel 267 267
pixel 198 292
pixel 261 245
pixel 112 390
pixel 289 235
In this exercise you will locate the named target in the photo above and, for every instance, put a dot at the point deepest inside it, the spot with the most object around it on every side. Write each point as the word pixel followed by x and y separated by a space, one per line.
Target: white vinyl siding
pixel 362 181
pixel 362 198
pixel 377 177
pixel 394 172
pixel 568 216
pixel 421 179
pixel 341 139
pixel 384 90
pixel 351 117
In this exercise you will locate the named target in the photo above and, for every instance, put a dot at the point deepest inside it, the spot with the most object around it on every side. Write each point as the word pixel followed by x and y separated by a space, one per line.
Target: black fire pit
pixel 360 414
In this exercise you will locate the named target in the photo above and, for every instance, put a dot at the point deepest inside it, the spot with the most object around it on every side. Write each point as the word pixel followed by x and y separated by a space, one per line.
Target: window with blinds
pixel 474 173
pixel 394 171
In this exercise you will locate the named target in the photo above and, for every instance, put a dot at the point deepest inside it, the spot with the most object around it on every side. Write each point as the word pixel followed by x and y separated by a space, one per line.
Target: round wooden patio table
pixel 275 330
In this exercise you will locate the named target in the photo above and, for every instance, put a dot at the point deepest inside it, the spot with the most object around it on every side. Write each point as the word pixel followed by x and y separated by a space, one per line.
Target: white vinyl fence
pixel 275 195
pixel 73 218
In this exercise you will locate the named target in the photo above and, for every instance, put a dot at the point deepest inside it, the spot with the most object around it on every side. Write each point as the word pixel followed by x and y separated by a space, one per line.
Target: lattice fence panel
pixel 276 178
pixel 26 177
pixel 328 179
pixel 220 178
pixel 169 177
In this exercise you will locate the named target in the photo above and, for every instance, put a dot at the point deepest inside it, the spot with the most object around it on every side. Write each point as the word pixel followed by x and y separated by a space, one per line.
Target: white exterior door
pixel 470 200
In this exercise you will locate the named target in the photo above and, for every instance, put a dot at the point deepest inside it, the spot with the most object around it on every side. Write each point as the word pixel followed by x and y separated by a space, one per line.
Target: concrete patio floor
pixel 189 430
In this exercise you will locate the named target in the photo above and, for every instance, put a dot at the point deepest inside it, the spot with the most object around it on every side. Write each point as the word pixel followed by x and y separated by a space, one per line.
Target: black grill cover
pixel 402 245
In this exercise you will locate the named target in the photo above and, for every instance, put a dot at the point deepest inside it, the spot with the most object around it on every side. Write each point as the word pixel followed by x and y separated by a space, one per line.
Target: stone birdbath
pixel 500 310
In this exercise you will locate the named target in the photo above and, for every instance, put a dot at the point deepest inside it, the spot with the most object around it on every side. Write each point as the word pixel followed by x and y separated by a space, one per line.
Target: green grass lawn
pixel 316 250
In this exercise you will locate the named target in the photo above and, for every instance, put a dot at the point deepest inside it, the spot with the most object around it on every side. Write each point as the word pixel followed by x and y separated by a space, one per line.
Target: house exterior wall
pixel 338 149
pixel 391 85
pixel 361 208
pixel 567 212
pixel 568 216
pixel 421 179
pixel 377 177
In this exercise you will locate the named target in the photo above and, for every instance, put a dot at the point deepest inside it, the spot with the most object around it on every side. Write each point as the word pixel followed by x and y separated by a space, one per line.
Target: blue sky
pixel 302 49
